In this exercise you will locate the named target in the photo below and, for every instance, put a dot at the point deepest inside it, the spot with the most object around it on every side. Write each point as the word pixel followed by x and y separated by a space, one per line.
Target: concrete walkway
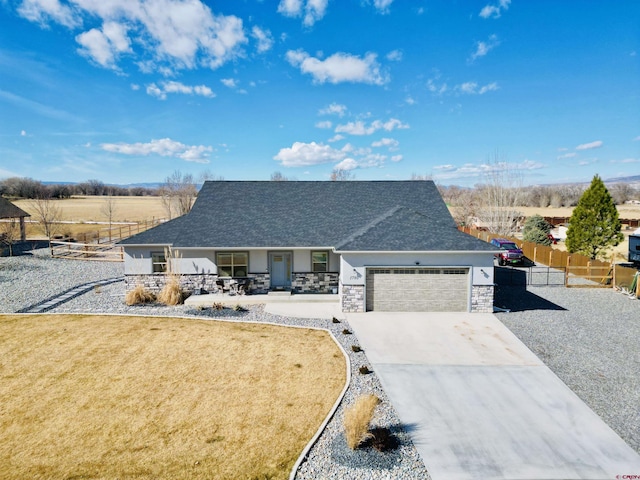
pixel 67 295
pixel 480 405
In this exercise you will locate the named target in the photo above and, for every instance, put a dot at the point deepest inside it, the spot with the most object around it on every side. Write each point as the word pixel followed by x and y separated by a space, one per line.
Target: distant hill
pixel 632 179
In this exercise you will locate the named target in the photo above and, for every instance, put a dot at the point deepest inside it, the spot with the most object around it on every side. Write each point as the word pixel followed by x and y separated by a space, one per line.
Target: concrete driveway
pixel 480 405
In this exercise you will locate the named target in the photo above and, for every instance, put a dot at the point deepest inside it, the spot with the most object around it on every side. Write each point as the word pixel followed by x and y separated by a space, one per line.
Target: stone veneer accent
pixel 189 282
pixel 352 298
pixel 260 282
pixel 482 299
pixel 314 282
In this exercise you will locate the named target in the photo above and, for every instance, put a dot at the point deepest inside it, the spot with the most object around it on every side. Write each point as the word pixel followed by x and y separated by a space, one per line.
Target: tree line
pixel 22 187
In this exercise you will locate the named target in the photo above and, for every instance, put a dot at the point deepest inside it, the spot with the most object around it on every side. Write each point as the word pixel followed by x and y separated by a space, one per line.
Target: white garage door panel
pixel 418 290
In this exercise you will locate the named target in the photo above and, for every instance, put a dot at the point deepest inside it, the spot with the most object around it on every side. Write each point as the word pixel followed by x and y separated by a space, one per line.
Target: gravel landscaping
pixel 589 337
pixel 27 280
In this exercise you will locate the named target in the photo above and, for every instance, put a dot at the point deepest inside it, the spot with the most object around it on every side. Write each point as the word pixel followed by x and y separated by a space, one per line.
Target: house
pixel 381 245
pixel 9 212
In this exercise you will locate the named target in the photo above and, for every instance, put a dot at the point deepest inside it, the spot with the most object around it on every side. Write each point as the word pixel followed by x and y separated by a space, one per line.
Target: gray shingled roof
pixel 9 210
pixel 350 216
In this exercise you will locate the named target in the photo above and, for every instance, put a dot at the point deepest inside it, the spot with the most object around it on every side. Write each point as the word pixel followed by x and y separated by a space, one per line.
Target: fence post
pixel 535 254
pixel 589 270
pixel 566 272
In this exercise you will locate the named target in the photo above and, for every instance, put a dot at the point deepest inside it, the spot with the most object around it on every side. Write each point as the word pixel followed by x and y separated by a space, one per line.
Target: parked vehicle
pixel 634 248
pixel 511 254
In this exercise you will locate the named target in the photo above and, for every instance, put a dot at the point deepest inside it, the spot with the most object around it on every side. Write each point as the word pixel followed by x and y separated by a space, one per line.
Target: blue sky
pixel 127 91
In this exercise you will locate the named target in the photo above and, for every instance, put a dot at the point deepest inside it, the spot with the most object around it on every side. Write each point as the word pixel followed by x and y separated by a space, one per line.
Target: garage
pixel 417 289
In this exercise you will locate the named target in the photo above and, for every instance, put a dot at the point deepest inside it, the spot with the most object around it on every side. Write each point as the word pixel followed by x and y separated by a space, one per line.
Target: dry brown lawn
pixel 107 397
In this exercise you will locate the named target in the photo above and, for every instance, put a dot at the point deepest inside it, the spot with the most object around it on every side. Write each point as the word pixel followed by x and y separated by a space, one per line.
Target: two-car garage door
pixel 418 289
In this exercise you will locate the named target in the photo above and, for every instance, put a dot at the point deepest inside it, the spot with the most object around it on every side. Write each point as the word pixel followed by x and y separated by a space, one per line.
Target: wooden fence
pixel 580 271
pixel 99 244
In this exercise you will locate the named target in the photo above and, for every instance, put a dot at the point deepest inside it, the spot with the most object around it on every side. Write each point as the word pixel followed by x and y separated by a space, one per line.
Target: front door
pixel 280 269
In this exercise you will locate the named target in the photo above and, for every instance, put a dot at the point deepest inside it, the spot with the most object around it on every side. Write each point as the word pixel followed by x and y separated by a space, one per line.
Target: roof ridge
pixel 369 226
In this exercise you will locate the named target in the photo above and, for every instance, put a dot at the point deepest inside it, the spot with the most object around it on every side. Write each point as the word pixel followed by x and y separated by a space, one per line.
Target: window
pixel 158 262
pixel 319 261
pixel 233 264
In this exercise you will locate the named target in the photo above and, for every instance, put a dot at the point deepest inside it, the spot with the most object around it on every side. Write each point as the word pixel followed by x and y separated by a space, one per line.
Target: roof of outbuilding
pixel 9 210
pixel 350 216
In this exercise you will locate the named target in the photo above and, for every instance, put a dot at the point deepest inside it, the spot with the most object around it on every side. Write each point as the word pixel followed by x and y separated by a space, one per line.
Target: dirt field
pixel 88 209
pixel 132 397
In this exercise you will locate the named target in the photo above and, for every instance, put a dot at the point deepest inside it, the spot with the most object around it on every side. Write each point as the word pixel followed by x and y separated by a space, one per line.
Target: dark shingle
pixel 379 215
pixel 9 210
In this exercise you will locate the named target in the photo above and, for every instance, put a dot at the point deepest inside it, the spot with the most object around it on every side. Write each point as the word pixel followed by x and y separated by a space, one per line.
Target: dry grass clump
pixel 357 419
pixel 171 293
pixel 139 296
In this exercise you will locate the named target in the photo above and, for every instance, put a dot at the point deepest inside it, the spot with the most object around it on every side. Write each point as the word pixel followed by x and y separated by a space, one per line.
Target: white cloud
pixel 396 158
pixel 105 46
pixel 347 164
pixel 167 34
pixel 164 147
pixel 334 109
pixel 436 89
pixel 590 146
pixel 495 11
pixel 394 56
pixel 472 88
pixel 135 87
pixel 229 82
pixel 361 128
pixel 166 87
pixel 382 5
pixel 390 143
pixel 637 139
pixel 264 39
pixel 478 171
pixel 482 48
pixel 290 8
pixel 626 160
pixel 324 124
pixel 23 133
pixel 311 10
pixel 339 67
pixel 336 138
pixel 40 11
pixel 566 155
pixel 305 154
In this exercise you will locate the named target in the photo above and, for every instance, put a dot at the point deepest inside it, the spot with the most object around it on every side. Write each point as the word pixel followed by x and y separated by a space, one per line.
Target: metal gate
pixel 534 276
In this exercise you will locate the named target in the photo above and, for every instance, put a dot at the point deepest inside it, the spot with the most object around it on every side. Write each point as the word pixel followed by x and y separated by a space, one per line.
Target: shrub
pixel 346 332
pixel 139 296
pixel 239 308
pixel 356 348
pixel 335 320
pixel 364 370
pixel 357 418
pixel 171 293
pixel 218 306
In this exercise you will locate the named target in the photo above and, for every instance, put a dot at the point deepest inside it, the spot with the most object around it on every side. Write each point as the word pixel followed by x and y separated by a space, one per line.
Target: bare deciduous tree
pixel 9 233
pixel 178 193
pixel 48 214
pixel 341 175
pixel 108 209
pixel 499 196
pixel 278 177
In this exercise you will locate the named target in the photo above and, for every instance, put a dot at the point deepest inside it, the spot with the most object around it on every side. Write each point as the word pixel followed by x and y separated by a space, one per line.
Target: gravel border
pixel 589 337
pixel 29 280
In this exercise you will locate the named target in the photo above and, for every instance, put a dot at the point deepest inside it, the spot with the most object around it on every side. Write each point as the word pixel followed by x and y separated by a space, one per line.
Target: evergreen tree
pixel 594 225
pixel 536 230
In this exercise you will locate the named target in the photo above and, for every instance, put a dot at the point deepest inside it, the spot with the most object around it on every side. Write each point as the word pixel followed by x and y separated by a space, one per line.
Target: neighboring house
pixel 9 211
pixel 382 245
